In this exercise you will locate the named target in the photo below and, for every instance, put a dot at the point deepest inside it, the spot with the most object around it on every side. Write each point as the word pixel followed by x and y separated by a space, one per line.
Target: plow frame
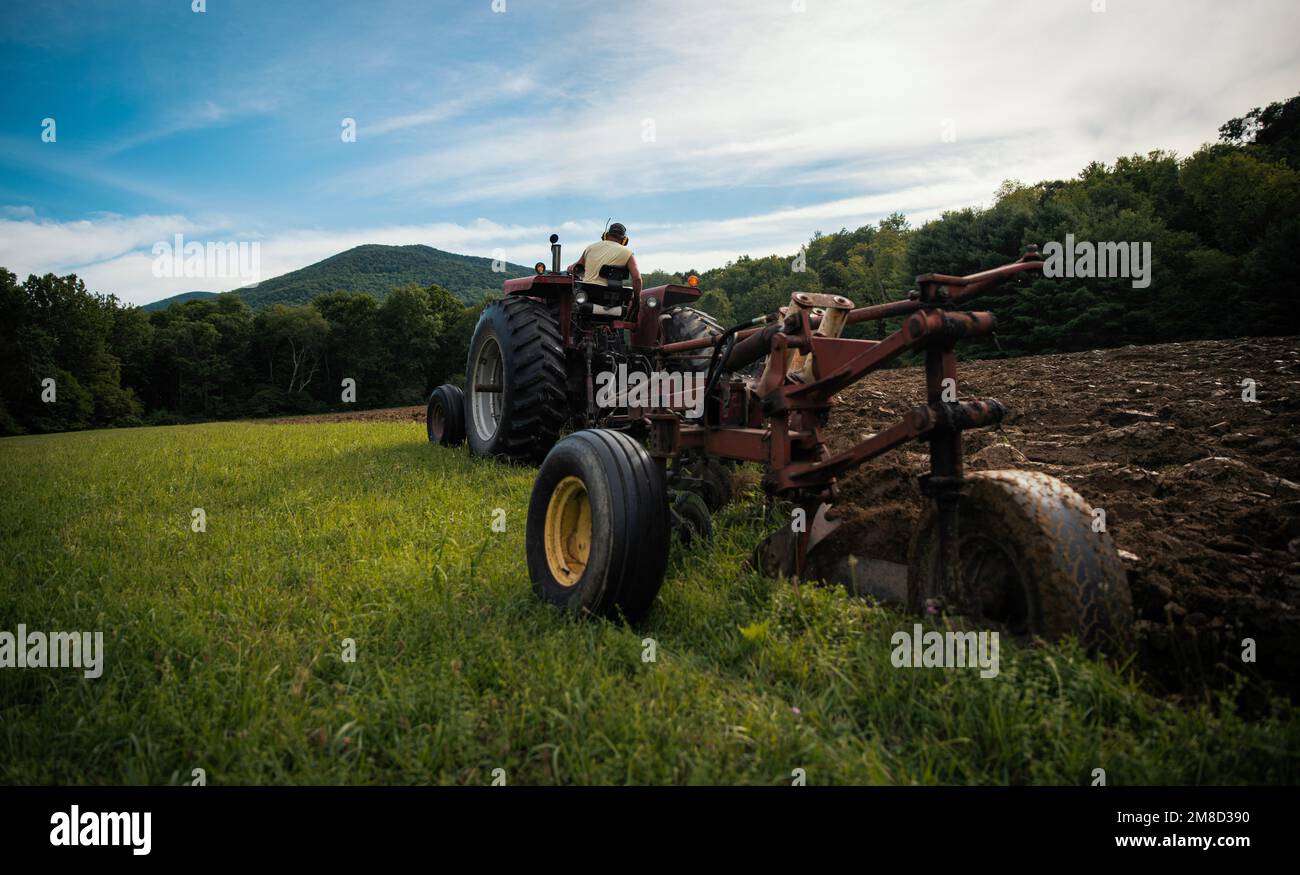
pixel 788 440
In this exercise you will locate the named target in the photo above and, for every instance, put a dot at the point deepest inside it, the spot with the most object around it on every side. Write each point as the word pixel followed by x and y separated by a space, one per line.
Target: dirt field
pixel 388 414
pixel 1201 489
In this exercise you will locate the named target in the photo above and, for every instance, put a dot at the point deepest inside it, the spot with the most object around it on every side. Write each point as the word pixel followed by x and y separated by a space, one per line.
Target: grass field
pixel 225 648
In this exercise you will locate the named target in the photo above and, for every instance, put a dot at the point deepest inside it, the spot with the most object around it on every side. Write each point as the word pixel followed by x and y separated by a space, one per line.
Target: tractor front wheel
pixel 444 419
pixel 597 537
pixel 1030 562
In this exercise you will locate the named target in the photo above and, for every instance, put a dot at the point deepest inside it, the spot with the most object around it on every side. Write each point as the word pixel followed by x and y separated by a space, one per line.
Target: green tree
pixel 352 349
pixel 409 329
pixel 292 342
pixel 55 329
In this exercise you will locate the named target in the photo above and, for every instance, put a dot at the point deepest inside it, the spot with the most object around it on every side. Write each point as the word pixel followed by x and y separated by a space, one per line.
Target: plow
pixel 618 479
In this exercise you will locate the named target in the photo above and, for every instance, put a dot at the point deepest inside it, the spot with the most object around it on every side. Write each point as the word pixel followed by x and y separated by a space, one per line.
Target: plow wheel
pixel 1030 562
pixel 777 555
pixel 691 521
pixel 708 478
pixel 717 484
pixel 598 526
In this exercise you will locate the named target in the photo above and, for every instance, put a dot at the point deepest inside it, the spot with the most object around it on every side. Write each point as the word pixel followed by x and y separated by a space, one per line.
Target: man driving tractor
pixel 610 250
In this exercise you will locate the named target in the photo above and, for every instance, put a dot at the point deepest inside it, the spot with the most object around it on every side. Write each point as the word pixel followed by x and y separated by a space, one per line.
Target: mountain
pixel 379 269
pixel 178 299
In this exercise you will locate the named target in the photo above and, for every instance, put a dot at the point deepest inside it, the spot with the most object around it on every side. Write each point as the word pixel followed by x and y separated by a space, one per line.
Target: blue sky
pixel 712 129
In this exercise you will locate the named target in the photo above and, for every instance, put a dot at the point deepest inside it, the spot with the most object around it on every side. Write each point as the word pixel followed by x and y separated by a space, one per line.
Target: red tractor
pixel 1010 548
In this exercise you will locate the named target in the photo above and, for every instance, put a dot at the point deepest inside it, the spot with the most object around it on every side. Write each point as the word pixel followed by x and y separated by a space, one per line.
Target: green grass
pixel 224 648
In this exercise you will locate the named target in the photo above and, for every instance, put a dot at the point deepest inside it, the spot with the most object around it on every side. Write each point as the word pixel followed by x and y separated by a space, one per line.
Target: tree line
pixel 1223 224
pixel 114 365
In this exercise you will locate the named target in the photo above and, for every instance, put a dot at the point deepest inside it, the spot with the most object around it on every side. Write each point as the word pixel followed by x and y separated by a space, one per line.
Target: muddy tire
pixel 598 526
pixel 444 419
pixel 514 381
pixel 687 323
pixel 1031 562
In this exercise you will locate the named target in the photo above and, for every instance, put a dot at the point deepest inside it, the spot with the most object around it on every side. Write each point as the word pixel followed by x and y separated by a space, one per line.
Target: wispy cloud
pixel 113 254
pixel 205 114
pixel 54 163
pixel 31 245
pixel 715 96
pixel 510 86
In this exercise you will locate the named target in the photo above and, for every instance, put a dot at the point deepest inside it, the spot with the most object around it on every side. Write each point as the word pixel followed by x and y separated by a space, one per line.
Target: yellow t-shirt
pixel 599 254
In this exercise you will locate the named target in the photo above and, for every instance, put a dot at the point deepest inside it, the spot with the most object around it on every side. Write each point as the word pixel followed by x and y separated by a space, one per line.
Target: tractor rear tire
pixel 598 526
pixel 1031 562
pixel 444 419
pixel 515 403
pixel 687 323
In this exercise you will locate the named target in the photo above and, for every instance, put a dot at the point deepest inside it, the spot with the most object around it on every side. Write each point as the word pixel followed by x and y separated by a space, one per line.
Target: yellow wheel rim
pixel 568 531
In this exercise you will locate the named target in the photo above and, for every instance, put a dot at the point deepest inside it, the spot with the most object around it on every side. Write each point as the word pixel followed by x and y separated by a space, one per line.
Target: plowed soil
pixel 387 414
pixel 1201 488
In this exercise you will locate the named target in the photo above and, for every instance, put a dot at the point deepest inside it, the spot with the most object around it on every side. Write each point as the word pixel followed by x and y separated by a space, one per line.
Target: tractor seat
pixel 612 297
pixel 613 276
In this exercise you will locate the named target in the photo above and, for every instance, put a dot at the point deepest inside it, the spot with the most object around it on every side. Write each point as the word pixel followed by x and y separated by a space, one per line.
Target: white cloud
pixel 30 245
pixel 510 86
pixel 441 112
pixel 113 254
pixel 743 94
pixel 178 120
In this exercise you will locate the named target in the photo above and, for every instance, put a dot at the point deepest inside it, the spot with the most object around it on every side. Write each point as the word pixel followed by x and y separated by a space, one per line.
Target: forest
pixel 1223 226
